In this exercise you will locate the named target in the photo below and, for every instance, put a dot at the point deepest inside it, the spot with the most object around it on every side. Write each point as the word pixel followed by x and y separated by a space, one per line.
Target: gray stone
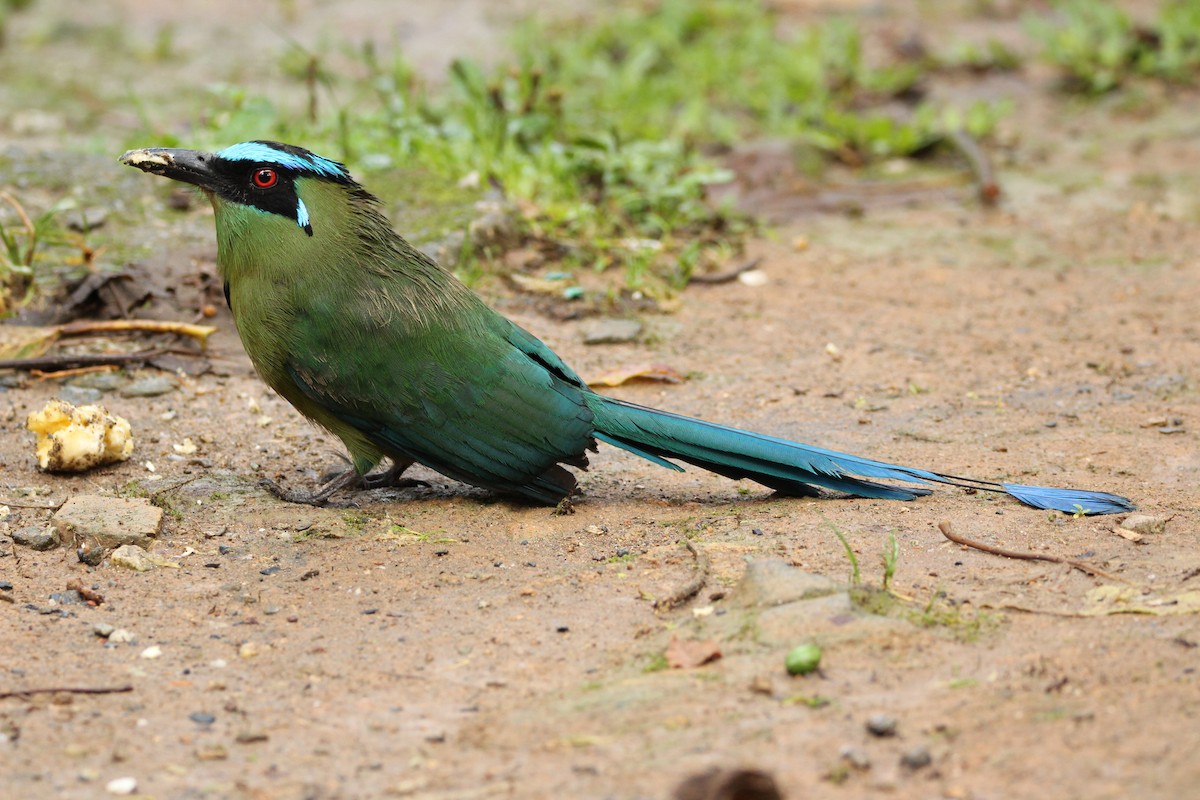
pixel 132 557
pixel 881 725
pixel 108 521
pixel 495 225
pixel 37 537
pixel 101 381
pixel 613 331
pixel 86 219
pixel 916 758
pixel 855 757
pixel 149 386
pixel 1144 524
pixel 773 582
pixel 80 395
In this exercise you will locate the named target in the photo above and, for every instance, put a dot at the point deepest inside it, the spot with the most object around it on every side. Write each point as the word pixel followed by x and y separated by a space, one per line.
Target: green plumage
pixel 374 341
pixel 392 353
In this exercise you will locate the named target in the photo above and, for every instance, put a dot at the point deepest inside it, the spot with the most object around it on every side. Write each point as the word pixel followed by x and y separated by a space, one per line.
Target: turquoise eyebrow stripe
pixel 257 151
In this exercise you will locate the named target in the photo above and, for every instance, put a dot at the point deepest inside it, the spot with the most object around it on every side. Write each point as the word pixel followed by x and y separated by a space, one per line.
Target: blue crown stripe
pixel 264 153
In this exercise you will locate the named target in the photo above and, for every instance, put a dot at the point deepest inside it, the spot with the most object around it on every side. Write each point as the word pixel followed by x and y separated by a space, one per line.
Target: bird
pixel 374 341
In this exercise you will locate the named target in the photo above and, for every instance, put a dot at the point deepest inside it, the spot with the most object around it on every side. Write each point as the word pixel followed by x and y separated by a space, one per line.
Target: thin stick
pixel 981 167
pixel 694 584
pixel 178 485
pixel 54 363
pixel 1082 566
pixel 198 332
pixel 69 690
pixel 70 373
pixel 726 276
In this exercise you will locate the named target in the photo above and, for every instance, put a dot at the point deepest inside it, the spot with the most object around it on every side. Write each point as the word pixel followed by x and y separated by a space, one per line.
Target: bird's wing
pixel 491 406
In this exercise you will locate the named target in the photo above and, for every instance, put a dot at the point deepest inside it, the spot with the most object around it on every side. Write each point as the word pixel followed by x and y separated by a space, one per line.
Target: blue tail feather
pixel 796 468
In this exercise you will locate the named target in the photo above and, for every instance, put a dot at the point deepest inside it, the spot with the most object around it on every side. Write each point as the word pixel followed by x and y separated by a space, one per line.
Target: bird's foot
pixel 392 478
pixel 335 480
pixel 341 480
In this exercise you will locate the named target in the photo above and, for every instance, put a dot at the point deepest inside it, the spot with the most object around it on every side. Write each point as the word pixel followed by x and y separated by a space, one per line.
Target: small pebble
pixel 613 331
pixel 855 757
pixel 881 725
pixel 1143 524
pixel 103 629
pixel 202 718
pixel 100 381
pixel 212 752
pixel 36 537
pixel 132 557
pixel 80 395
pixel 122 636
pixel 121 786
pixel 918 757
pixel 151 386
pixel 153 651
pixel 90 554
pixel 86 219
pixel 6 586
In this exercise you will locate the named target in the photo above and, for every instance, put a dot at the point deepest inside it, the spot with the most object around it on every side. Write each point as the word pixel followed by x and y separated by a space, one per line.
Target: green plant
pixel 1099 47
pixel 599 132
pixel 855 575
pixel 19 249
pixel 891 559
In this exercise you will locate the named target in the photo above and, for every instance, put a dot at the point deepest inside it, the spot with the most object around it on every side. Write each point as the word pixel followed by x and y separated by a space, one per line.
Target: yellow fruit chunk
pixel 74 439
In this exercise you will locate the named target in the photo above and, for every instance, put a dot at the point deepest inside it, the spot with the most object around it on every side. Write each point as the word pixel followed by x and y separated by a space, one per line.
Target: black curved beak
pixel 189 166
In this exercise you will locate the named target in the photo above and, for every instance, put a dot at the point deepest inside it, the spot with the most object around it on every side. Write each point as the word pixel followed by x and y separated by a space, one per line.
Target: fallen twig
pixel 726 276
pixel 68 690
pixel 71 373
pixel 55 363
pixel 81 327
pixel 177 485
pixel 1082 566
pixel 694 584
pixel 981 166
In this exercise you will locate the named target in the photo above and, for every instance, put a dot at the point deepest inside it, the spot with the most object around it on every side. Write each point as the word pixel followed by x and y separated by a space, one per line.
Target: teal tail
pixel 795 468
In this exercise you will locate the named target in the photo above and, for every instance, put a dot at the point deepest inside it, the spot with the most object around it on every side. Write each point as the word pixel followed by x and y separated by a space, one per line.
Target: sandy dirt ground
pixel 440 642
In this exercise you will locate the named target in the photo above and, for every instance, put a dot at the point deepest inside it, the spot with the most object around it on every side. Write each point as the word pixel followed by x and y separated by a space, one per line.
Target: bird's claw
pixel 317 498
pixel 335 481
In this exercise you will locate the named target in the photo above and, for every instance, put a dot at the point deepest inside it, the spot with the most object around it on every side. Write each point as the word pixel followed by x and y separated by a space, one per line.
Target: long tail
pixel 796 468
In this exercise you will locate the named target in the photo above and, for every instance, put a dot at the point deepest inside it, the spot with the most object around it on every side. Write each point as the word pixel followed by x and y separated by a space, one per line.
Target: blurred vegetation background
pixel 594 146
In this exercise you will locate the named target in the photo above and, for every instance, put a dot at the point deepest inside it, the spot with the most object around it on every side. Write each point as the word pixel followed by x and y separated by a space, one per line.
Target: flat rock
pixel 108 521
pixel 36 537
pixel 772 582
pixel 132 557
pixel 1144 524
pixel 613 331
pixel 149 386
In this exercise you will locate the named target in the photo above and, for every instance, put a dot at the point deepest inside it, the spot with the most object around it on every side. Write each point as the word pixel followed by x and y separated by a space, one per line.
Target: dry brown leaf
pixel 645 372
pixel 25 341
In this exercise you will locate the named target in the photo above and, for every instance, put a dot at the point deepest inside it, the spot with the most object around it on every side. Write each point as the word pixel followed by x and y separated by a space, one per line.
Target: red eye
pixel 265 178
